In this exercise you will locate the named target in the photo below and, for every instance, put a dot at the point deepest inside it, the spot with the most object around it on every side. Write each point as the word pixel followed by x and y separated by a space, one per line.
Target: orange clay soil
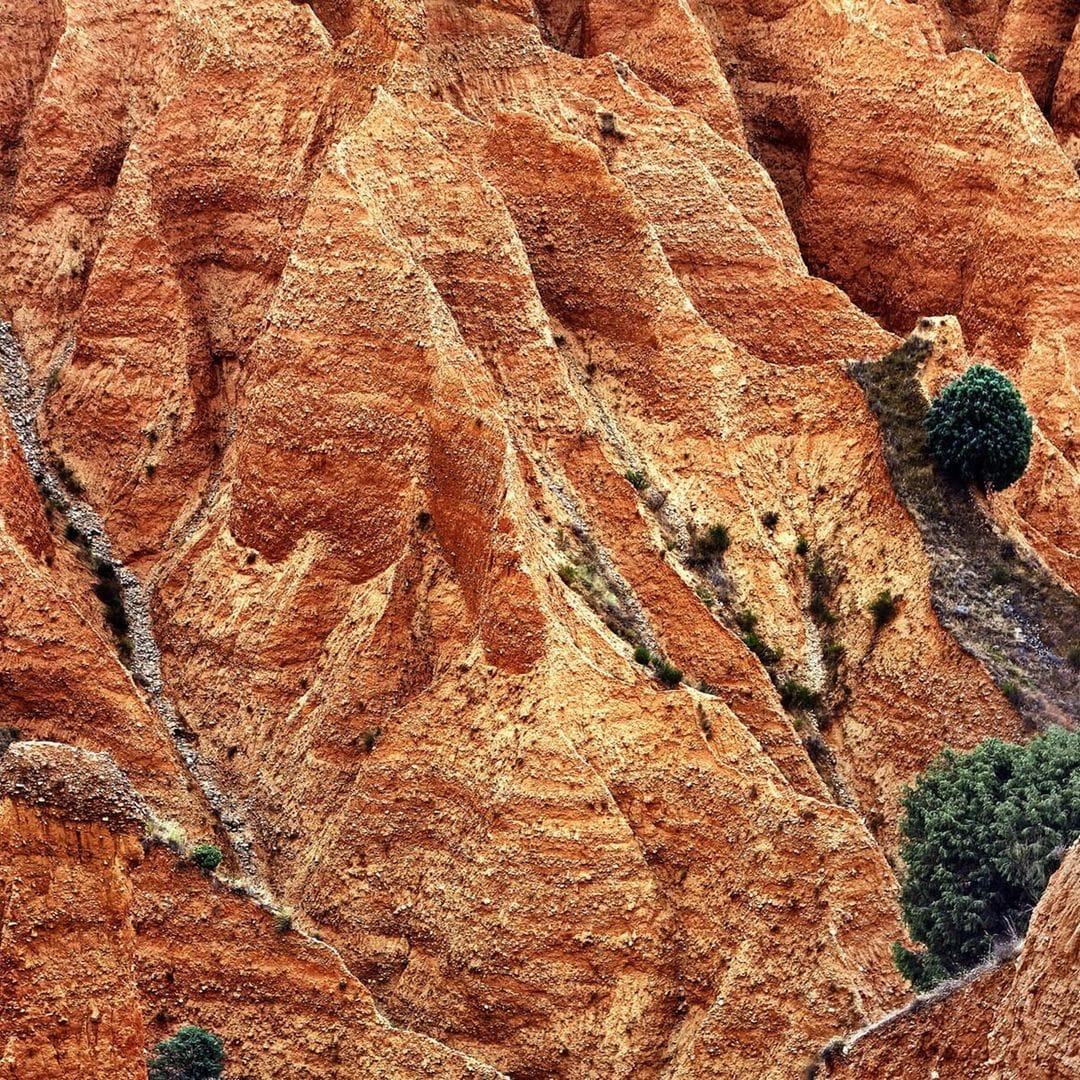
pixel 351 319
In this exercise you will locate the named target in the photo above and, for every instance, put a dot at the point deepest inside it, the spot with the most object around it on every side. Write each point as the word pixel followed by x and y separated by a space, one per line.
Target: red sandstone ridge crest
pixel 450 466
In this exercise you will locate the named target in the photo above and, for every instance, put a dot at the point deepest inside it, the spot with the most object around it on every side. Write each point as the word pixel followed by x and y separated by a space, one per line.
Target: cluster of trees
pixel 981 834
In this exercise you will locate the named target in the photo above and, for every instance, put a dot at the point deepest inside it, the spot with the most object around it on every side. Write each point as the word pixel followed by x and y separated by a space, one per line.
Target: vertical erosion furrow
pixel 23 403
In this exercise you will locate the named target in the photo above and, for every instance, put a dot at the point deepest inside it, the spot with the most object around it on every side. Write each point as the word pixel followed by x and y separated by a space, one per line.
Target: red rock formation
pixel 374 306
pixel 907 229
pixel 60 676
pixel 69 829
pixel 111 942
pixel 1034 1033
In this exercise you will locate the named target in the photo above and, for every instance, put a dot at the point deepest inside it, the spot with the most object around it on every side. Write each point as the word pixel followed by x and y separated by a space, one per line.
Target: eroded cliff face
pixel 110 939
pixel 351 318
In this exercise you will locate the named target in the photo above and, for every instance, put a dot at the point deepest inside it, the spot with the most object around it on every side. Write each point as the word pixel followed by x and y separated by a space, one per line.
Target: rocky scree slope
pixel 350 319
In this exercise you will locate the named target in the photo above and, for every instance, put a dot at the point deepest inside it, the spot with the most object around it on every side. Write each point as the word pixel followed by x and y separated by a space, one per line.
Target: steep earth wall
pixel 110 940
pixel 1014 1021
pixel 350 320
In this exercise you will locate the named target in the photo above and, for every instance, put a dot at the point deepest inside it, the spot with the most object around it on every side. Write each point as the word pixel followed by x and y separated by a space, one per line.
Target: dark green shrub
pixel 979 430
pixel 820 578
pixel 770 519
pixel 711 544
pixel 821 586
pixel 802 545
pixel 193 1053
pixel 746 621
pixel 666 672
pixel 125 648
pixel 108 591
pixel 370 738
pixel 282 921
pixel 1011 690
pixel 832 652
pixel 794 695
pixel 206 856
pixel 636 479
pixel 642 655
pixel 981 834
pixel 765 653
pixel 68 477
pixel 820 612
pixel 1072 657
pixel 922 969
pixel 883 608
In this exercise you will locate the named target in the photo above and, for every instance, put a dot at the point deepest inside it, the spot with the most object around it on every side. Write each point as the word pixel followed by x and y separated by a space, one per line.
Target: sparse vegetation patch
pixel 668 674
pixel 883 608
pixel 795 695
pixel 709 544
pixel 995 597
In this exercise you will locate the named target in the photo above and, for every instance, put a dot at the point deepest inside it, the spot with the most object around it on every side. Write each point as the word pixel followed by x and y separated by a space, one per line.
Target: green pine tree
pixel 981 834
pixel 193 1053
pixel 979 430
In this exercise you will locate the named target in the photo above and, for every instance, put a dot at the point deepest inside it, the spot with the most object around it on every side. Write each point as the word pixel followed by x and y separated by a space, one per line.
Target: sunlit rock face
pixel 406 352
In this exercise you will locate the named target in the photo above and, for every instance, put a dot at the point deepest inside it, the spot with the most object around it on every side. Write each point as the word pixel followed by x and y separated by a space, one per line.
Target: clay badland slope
pixel 348 321
pixel 109 939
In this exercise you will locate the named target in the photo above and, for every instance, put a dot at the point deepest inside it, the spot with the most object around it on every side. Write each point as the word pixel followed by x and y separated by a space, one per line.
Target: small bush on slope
pixel 979 430
pixel 193 1053
pixel 206 856
pixel 981 834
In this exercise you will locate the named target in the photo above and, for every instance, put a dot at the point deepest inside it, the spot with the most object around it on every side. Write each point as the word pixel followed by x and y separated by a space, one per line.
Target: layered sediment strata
pixel 111 941
pixel 372 308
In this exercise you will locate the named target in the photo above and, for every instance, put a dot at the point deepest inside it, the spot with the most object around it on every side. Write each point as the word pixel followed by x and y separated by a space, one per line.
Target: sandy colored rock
pixel 111 942
pixel 414 347
pixel 60 675
pixel 1034 1033
pixel 908 229
pixel 1014 1021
